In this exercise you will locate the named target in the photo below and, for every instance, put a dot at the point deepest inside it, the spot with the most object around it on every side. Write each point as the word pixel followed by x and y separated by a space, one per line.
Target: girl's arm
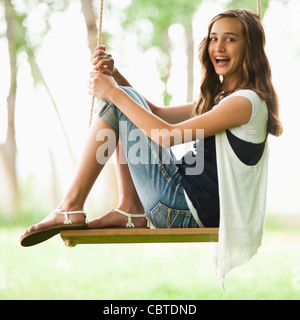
pixel 171 114
pixel 232 112
pixel 174 114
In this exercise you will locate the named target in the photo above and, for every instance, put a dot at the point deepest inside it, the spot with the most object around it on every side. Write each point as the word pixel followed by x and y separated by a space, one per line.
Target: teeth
pixel 219 59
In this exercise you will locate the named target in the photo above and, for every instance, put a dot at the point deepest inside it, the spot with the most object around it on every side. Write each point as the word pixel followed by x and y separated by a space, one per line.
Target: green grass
pixel 151 271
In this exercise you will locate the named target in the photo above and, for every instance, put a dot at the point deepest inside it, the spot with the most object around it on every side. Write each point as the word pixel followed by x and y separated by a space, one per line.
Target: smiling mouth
pixel 221 61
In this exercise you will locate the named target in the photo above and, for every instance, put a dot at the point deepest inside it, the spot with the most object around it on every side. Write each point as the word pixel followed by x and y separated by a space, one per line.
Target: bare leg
pixel 129 200
pixel 85 176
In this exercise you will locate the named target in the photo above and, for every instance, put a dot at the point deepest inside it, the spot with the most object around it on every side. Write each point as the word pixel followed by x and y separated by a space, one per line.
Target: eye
pixel 230 40
pixel 213 39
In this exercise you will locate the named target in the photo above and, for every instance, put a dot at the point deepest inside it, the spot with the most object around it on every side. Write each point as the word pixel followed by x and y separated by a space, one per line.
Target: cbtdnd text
pixel 171 309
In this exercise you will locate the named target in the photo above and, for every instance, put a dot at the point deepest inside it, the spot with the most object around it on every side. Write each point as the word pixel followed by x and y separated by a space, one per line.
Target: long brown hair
pixel 256 71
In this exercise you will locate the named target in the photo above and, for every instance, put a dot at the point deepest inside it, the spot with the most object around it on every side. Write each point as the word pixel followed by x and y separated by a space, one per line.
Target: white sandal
pixel 38 236
pixel 130 224
pixel 66 213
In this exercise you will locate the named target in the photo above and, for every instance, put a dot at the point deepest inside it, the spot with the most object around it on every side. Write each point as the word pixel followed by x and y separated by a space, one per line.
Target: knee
pixel 136 96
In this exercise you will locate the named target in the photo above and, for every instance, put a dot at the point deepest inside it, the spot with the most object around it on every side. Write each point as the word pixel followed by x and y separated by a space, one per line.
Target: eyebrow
pixel 226 33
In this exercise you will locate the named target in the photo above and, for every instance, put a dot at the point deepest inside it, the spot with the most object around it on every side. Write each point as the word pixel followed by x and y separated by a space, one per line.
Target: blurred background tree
pixel 20 40
pixel 162 14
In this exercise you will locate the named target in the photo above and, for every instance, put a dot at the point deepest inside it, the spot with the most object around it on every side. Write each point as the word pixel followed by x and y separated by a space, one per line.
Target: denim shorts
pixel 156 177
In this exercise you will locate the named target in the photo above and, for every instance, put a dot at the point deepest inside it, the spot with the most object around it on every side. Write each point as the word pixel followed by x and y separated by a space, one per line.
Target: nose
pixel 219 46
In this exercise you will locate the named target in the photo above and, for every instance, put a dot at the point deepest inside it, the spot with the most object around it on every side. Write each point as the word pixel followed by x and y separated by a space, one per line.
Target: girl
pixel 237 108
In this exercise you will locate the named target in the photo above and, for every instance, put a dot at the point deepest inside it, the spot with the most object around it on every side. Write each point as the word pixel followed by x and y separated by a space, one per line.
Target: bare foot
pixel 54 219
pixel 115 219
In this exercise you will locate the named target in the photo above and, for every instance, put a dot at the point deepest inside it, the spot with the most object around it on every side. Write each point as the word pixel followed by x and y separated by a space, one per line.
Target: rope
pixel 99 38
pixel 259 8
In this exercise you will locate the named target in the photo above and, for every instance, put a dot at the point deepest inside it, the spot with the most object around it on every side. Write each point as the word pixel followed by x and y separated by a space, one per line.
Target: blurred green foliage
pixel 248 4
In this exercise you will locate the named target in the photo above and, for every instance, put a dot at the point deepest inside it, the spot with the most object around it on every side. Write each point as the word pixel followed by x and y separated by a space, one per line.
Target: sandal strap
pixel 66 213
pixel 131 215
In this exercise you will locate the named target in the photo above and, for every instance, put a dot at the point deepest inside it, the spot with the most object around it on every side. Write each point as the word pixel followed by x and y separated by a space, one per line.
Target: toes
pixel 28 230
pixel 32 228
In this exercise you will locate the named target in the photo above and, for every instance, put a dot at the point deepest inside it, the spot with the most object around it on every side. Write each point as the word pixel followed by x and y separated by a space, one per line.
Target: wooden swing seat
pixel 138 235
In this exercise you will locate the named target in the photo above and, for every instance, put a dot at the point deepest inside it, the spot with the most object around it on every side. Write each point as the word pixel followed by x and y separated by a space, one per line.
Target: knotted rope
pixel 99 38
pixel 259 8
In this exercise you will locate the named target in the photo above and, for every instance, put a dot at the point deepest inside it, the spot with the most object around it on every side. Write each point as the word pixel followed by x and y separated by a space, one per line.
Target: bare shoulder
pixel 236 102
pixel 239 108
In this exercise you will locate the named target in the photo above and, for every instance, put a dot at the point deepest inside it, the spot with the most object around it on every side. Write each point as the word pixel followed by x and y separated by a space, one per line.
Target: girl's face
pixel 226 50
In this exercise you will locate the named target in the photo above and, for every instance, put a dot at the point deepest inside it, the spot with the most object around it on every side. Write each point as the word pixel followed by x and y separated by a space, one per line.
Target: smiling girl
pixel 237 109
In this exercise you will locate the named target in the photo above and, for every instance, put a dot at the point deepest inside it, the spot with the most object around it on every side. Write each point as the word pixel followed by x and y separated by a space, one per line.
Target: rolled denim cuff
pixel 107 112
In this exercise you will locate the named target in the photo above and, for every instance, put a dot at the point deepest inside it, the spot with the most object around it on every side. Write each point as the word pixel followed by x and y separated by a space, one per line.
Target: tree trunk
pixel 190 62
pixel 8 149
pixel 90 21
pixel 167 67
